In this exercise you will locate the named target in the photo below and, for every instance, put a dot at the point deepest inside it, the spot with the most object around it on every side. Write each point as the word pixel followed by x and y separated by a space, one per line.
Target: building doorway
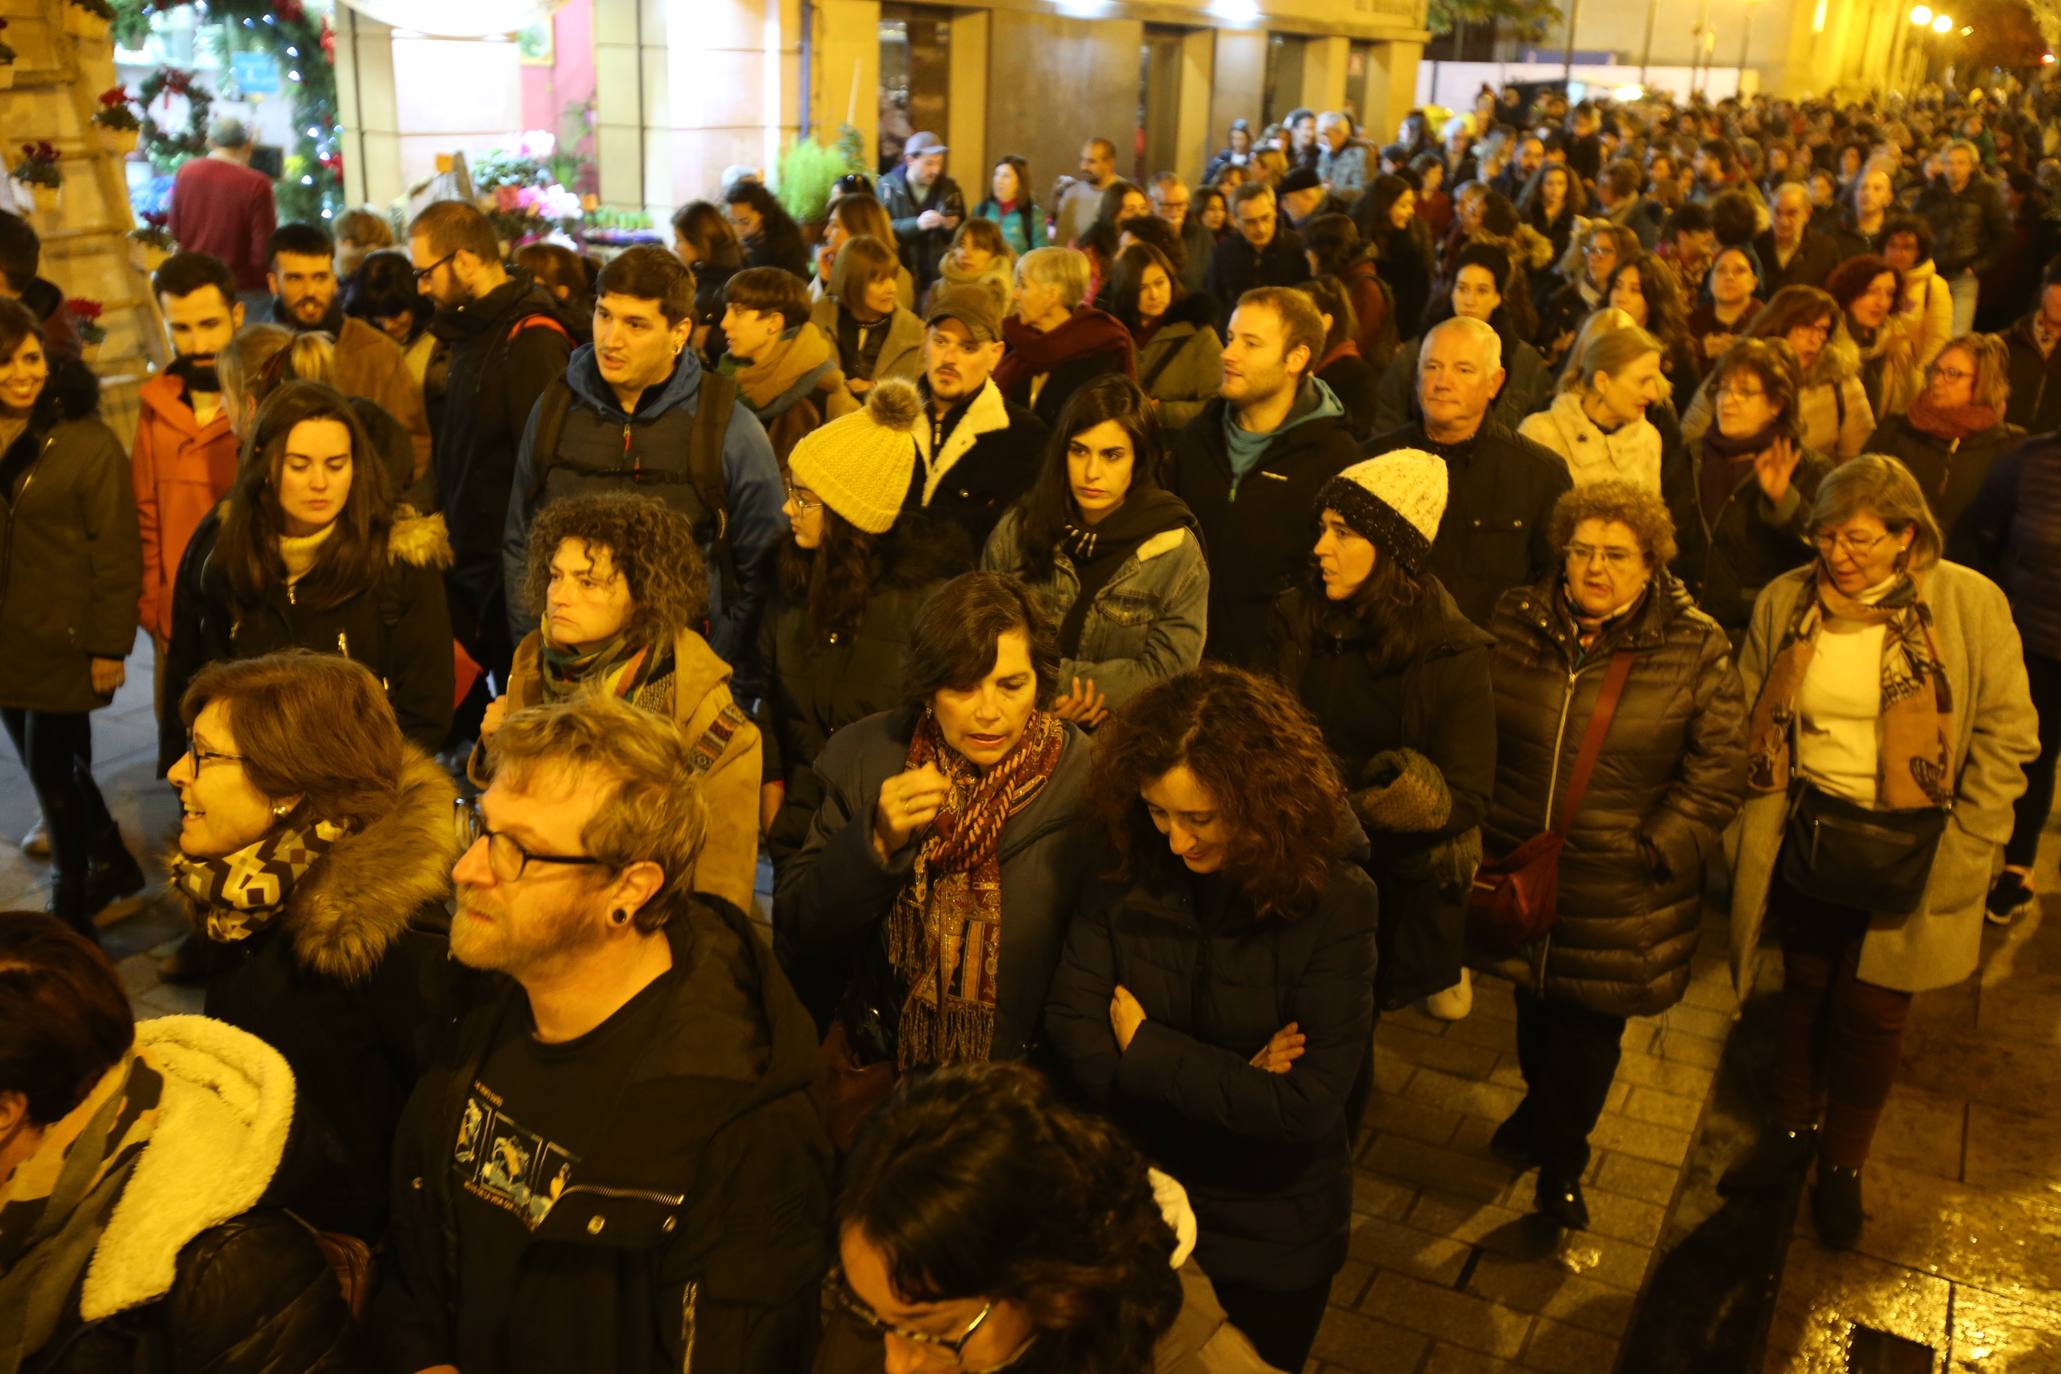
pixel 1159 102
pixel 915 76
pixel 1283 92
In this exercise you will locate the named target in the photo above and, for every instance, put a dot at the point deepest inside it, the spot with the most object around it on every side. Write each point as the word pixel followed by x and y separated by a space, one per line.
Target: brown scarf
pixel 945 932
pixel 1951 423
pixel 1915 767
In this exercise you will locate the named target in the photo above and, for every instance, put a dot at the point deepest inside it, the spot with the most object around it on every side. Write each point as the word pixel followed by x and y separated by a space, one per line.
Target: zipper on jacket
pixel 624 1194
pixel 690 1296
pixel 1552 790
pixel 13 506
pixel 635 467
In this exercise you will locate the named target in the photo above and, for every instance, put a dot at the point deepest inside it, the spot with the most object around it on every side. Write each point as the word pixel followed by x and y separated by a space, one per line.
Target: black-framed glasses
pixel 944 1352
pixel 1858 548
pixel 423 274
pixel 202 757
pixel 505 854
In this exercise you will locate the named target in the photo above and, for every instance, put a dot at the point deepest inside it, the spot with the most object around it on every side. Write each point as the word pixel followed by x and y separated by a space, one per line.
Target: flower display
pixel 38 166
pixel 115 111
pixel 85 314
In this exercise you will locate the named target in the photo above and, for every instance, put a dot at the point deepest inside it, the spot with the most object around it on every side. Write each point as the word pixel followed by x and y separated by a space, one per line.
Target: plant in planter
pixel 7 56
pixel 37 177
pixel 150 242
pixel 88 19
pixel 115 124
pixel 85 316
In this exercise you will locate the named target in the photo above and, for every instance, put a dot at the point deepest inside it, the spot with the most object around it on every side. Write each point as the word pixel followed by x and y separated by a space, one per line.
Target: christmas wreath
pixel 165 149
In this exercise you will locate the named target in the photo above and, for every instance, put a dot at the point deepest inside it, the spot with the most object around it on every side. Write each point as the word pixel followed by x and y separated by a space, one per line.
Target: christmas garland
pixel 168 150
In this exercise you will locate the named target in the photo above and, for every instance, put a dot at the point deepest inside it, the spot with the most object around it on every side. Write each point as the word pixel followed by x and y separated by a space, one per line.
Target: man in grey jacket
pixel 1971 224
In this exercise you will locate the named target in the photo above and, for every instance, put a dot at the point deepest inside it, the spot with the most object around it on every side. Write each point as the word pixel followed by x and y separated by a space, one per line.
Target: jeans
pixel 1963 288
pixel 1568 1055
pixel 2029 812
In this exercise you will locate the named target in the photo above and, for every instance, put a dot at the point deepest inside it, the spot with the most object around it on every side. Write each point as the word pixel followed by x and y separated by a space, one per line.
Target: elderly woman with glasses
pixel 1890 731
pixel 1738 494
pixel 1955 430
pixel 314 855
pixel 1610 635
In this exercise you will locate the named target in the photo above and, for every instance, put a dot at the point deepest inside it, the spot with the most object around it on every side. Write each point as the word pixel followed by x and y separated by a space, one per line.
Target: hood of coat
pixel 163 399
pixel 223 1123
pixel 775 382
pixel 1837 361
pixel 347 911
pixel 422 541
pixel 583 375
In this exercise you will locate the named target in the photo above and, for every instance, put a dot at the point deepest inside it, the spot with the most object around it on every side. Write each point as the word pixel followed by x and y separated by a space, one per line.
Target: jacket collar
pixel 583 375
pixel 164 397
pixel 985 414
pixel 1545 610
pixel 497 310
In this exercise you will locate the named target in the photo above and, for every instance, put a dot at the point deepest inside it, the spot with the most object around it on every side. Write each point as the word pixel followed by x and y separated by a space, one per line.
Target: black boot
pixel 68 904
pixel 114 873
pixel 1559 1198
pixel 1836 1206
pixel 1515 1142
pixel 1778 1159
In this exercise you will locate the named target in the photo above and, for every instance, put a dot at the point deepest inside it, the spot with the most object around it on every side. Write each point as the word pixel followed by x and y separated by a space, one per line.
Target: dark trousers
pixel 56 749
pixel 1568 1055
pixel 1841 1038
pixel 2029 815
pixel 1281 1326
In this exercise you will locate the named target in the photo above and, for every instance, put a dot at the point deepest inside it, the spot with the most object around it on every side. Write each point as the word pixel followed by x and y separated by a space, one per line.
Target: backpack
pixel 704 456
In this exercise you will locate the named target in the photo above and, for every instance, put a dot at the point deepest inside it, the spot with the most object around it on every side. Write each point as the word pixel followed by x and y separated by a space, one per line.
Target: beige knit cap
pixel 860 464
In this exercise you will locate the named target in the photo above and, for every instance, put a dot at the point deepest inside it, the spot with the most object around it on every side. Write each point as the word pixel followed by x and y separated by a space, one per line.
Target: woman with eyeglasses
pixel 1890 731
pixel 983 1225
pixel 314 856
pixel 1738 495
pixel 624 591
pixel 1955 431
pixel 1730 301
pixel 1832 411
pixel 1609 629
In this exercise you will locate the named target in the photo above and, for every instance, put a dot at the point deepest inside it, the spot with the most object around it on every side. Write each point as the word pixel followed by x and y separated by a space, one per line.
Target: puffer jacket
pixel 1832 406
pixel 1949 471
pixel 1147 622
pixel 1671 776
pixel 1725 557
pixel 835 893
pixel 2035 379
pixel 1969 227
pixel 352 984
pixel 1181 366
pixel 71 566
pixel 1264 1156
pixel 2011 534
pixel 1629 453
pixel 197 1269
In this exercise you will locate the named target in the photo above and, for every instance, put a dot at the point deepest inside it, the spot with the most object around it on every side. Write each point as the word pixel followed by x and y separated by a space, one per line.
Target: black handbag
pixel 1850 855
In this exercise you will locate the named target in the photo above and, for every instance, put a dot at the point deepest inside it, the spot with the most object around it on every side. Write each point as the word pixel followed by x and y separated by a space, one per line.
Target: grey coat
pixel 901 352
pixel 1995 736
pixel 1146 623
pixel 1182 366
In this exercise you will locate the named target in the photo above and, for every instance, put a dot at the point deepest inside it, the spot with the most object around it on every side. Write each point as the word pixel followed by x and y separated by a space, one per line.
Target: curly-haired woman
pixel 1216 996
pixel 623 587
pixel 982 1218
pixel 1648 290
pixel 1671 773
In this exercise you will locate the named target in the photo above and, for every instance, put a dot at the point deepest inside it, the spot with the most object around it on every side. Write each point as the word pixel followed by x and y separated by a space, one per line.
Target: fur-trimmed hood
pixel 1838 360
pixel 222 1127
pixel 347 911
pixel 423 541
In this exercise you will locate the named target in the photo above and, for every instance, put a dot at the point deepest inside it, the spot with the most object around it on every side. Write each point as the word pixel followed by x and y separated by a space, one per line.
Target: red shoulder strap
pixel 1592 741
pixel 539 320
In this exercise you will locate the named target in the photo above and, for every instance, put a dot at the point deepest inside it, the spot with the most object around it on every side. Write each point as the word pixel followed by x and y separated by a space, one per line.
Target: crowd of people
pixel 1136 639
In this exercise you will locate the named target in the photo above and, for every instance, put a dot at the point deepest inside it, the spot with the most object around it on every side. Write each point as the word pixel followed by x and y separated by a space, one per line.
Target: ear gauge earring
pixel 619 916
pixel 279 812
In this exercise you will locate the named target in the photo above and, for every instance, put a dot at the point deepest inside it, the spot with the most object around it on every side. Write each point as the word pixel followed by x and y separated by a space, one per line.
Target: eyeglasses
pixel 1823 329
pixel 1599 250
pixel 803 504
pixel 203 757
pixel 423 274
pixel 1612 557
pixel 505 854
pixel 1740 393
pixel 1952 374
pixel 1856 547
pixel 941 1351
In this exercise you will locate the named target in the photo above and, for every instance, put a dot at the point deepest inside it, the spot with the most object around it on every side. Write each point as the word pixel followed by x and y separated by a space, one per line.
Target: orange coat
pixel 182 469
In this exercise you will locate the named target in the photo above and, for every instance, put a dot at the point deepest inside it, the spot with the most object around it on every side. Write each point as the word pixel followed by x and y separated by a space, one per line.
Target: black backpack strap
pixel 552 408
pixel 705 464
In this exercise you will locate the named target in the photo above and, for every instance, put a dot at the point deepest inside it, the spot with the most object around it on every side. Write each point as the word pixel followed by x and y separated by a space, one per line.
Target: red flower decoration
pixel 157 219
pixel 81 308
pixel 292 11
pixel 328 41
pixel 114 95
pixel 45 151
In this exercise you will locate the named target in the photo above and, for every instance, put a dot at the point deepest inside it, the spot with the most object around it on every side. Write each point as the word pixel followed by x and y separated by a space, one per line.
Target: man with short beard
pixel 976 453
pixel 301 272
pixel 616 1167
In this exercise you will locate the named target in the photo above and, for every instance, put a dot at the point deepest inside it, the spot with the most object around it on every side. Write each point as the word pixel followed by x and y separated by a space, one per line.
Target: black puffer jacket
pixel 1969 227
pixel 1724 558
pixel 2035 380
pixel 1436 703
pixel 1671 776
pixel 2011 534
pixel 1264 1156
pixel 1501 488
pixel 71 561
pixel 1948 473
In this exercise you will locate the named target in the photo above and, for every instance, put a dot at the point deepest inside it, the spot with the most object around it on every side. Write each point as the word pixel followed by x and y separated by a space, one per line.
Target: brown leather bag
pixel 1515 899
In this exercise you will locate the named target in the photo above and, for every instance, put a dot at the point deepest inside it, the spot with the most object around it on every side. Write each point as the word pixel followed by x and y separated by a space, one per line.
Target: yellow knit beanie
pixel 860 464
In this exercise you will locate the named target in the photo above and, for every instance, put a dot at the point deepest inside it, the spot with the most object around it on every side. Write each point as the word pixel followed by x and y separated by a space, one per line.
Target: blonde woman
pixel 1597 423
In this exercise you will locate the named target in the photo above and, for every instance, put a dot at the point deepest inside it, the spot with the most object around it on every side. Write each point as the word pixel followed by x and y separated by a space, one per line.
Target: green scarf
pixel 240 894
pixel 1914 767
pixel 56 1203
pixel 622 666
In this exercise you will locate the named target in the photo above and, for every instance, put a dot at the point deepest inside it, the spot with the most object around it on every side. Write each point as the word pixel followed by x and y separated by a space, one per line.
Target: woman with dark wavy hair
pixel 1216 996
pixel 981 1219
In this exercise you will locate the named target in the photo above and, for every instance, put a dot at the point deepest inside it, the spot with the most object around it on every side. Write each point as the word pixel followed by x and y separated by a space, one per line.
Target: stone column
pixel 847 69
pixel 1323 72
pixel 966 129
pixel 1391 86
pixel 1194 134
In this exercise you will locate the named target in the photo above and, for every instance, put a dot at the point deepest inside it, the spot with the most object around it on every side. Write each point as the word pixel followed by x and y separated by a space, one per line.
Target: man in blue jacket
pixel 636 410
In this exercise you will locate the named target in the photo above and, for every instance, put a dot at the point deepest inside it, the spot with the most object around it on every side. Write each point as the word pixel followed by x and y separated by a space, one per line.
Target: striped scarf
pixel 240 894
pixel 945 932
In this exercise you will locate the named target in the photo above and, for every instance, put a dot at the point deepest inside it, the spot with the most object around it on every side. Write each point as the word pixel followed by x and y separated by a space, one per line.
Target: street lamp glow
pixel 1942 24
pixel 1921 14
pixel 1967 29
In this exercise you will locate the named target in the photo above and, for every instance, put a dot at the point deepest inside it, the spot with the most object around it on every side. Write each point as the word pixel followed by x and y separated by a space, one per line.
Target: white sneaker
pixel 1454 1003
pixel 36 844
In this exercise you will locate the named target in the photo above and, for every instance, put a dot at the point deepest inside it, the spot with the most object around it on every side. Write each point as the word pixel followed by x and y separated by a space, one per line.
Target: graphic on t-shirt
pixel 500 1161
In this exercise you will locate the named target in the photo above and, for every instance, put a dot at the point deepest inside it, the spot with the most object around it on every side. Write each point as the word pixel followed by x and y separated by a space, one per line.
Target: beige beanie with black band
pixel 1394 502
pixel 859 465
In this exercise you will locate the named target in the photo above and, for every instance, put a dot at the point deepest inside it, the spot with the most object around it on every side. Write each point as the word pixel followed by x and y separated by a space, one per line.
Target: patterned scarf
pixel 56 1203
pixel 240 894
pixel 945 932
pixel 1915 767
pixel 621 665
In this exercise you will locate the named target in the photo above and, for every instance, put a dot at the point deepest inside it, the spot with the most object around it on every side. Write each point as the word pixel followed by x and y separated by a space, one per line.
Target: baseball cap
pixel 973 306
pixel 1301 179
pixel 925 142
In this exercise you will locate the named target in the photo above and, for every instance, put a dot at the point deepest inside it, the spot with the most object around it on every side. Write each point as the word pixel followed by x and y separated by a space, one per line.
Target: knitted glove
pixel 1405 792
pixel 1454 863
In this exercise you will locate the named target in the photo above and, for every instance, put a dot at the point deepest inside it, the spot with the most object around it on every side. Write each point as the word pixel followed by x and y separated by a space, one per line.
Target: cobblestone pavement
pixel 1447 1275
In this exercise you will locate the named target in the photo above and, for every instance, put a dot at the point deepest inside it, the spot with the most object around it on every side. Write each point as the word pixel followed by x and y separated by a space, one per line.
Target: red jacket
pixel 181 469
pixel 224 209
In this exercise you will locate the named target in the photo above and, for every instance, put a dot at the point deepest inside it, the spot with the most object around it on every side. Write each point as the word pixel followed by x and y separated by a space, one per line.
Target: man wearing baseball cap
pixel 925 205
pixel 976 452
